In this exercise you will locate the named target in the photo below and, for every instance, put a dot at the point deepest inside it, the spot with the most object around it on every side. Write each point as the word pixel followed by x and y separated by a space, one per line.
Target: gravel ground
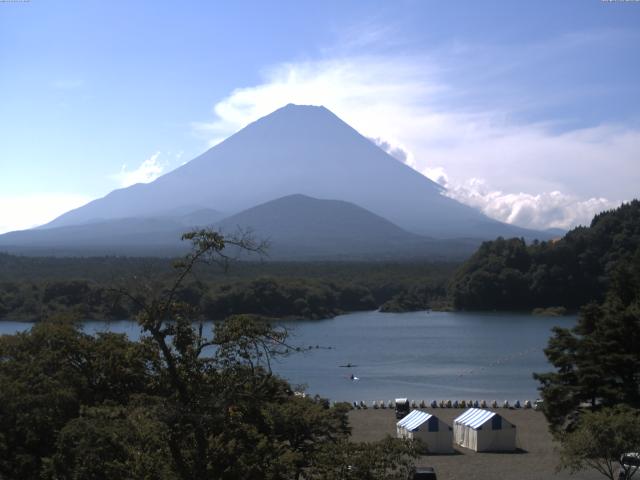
pixel 536 457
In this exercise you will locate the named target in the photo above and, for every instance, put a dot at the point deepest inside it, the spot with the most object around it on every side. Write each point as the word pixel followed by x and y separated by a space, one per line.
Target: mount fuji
pixel 296 150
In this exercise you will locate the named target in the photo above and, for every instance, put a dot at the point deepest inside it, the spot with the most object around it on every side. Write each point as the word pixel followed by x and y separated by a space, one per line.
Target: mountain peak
pixel 300 113
pixel 297 106
pixel 298 149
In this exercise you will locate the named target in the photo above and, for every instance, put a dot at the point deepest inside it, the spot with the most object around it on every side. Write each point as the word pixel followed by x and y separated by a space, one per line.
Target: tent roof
pixel 475 417
pixel 412 421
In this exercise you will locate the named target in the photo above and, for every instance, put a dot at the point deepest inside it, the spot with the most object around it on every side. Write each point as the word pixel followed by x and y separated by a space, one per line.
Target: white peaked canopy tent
pixel 435 434
pixel 482 431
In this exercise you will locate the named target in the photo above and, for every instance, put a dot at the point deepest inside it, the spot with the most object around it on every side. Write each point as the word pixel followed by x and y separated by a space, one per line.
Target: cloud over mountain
pixel 532 174
pixel 546 210
pixel 147 171
pixel 297 149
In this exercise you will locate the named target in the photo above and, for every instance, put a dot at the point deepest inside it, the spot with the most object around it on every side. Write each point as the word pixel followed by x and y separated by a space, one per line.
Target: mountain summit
pixel 298 150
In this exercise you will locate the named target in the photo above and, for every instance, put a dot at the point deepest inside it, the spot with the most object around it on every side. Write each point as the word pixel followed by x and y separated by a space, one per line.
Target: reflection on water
pixel 420 355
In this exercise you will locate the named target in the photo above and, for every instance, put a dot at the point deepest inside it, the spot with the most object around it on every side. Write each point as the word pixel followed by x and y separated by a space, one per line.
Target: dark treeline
pixel 570 272
pixel 33 288
pixel 504 274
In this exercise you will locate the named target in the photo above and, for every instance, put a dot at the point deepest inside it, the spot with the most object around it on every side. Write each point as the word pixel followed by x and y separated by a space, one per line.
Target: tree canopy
pixel 36 288
pixel 508 274
pixel 179 403
pixel 597 362
pixel 592 399
pixel 599 441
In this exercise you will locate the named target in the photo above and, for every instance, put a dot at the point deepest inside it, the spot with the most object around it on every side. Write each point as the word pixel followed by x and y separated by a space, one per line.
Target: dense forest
pixel 598 360
pixel 33 288
pixel 508 274
pixel 592 395
pixel 180 403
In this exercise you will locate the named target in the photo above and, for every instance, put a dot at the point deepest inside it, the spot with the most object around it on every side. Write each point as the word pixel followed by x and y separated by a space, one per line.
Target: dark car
pixel 629 466
pixel 423 473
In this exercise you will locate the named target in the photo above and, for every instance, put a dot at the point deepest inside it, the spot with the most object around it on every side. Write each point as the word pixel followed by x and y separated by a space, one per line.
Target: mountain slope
pixel 300 149
pixel 298 227
pixel 120 236
pixel 301 227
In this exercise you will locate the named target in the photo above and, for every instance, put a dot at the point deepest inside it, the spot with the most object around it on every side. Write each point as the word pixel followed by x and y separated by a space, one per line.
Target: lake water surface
pixel 420 355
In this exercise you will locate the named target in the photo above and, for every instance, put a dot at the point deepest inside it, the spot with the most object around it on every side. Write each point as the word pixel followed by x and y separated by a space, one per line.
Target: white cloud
pixel 20 212
pixel 437 174
pixel 345 86
pixel 544 210
pixel 146 172
pixel 396 151
pixel 539 178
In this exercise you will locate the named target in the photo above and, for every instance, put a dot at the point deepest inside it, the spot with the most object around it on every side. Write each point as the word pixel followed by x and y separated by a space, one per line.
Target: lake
pixel 420 355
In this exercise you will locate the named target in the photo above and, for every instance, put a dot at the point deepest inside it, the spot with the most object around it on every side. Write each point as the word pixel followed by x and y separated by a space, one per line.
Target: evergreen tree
pixel 569 272
pixel 598 361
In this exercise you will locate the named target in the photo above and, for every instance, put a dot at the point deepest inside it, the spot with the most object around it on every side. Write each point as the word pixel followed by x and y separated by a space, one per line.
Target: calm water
pixel 418 355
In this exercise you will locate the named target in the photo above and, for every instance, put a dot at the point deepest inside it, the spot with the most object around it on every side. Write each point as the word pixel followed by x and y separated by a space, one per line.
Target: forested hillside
pixel 508 274
pixel 33 288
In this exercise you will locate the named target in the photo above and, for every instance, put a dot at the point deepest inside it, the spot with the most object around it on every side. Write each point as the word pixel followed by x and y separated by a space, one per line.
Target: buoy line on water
pixel 499 361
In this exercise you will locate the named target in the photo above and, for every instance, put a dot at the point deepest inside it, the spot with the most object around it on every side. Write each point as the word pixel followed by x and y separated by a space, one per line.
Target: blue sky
pixel 529 111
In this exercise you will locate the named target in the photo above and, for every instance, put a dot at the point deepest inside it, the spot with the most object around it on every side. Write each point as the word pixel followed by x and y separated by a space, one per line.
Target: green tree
pixel 598 361
pixel 112 441
pixel 179 403
pixel 507 274
pixel 600 439
pixel 47 375
pixel 390 459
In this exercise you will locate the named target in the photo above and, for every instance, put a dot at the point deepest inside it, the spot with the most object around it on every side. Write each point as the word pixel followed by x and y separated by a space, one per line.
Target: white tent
pixel 482 431
pixel 435 434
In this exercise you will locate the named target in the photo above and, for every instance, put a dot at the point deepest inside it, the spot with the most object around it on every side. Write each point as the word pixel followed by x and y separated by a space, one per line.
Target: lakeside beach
pixel 537 456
